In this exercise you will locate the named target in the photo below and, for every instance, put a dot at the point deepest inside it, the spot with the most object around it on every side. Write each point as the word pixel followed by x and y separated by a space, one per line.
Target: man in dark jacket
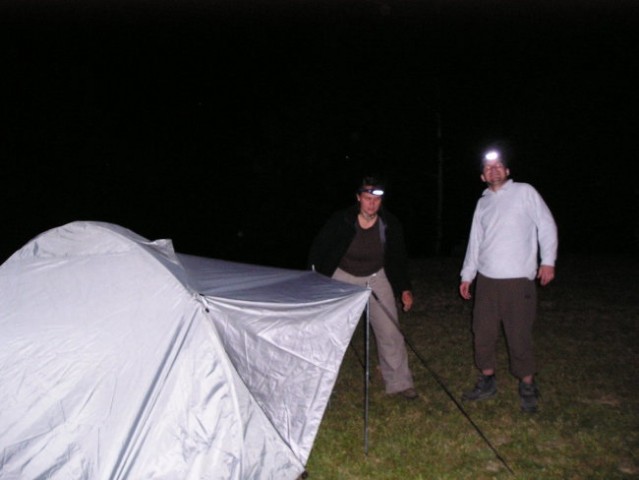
pixel 364 245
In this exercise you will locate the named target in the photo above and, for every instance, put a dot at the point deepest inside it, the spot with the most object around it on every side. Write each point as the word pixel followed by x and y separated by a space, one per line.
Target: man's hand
pixel 464 290
pixel 407 300
pixel 545 274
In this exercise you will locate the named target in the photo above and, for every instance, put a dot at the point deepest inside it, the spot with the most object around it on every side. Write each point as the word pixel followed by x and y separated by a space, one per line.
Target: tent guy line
pixel 443 386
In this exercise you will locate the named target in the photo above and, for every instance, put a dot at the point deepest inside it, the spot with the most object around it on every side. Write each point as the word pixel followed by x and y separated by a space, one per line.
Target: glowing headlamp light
pixel 491 156
pixel 373 191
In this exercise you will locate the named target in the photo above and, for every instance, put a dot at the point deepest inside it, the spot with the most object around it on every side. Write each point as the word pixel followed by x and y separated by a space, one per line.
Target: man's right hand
pixel 464 290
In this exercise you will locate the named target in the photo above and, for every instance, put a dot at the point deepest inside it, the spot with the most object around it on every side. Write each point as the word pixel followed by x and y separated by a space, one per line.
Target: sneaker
pixel 528 392
pixel 486 387
pixel 409 394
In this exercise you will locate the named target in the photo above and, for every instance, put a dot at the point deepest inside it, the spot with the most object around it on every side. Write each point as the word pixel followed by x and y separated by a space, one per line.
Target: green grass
pixel 587 345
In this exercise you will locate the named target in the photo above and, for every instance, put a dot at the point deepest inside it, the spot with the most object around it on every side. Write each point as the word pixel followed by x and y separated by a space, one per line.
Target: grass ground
pixel 587 343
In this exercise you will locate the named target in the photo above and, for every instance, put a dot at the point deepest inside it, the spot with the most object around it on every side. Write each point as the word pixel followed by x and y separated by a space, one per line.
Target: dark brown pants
pixel 513 303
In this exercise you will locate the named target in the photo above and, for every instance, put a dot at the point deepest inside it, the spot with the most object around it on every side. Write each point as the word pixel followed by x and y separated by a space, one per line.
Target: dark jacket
pixel 333 241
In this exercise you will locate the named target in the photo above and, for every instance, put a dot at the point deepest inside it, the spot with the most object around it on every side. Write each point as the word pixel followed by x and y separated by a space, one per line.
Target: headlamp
pixel 373 191
pixel 491 156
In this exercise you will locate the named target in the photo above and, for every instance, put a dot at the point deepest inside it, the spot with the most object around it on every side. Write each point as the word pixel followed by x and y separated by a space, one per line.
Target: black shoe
pixel 409 394
pixel 529 393
pixel 486 387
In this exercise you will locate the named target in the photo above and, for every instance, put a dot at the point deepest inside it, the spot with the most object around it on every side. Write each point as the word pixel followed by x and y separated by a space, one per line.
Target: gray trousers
pixel 513 303
pixel 391 348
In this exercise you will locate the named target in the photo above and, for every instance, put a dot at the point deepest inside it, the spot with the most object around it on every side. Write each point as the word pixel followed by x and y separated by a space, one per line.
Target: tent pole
pixel 367 374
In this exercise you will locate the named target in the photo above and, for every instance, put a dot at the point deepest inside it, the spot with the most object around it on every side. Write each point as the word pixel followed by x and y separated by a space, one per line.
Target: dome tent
pixel 121 358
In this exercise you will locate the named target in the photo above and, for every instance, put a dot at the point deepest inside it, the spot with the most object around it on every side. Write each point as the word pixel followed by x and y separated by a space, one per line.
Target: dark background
pixel 236 127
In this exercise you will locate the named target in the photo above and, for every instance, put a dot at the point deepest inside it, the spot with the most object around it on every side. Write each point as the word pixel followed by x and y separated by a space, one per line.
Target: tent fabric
pixel 121 359
pixel 286 364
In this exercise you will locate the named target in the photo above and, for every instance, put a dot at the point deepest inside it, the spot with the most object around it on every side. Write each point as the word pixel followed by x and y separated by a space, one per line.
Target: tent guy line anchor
pixel 440 383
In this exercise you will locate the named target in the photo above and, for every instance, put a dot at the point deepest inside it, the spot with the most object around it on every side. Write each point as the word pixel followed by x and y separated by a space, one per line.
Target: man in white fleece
pixel 512 229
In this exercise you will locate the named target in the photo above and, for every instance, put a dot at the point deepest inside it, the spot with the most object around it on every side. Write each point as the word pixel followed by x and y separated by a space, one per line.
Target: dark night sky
pixel 235 127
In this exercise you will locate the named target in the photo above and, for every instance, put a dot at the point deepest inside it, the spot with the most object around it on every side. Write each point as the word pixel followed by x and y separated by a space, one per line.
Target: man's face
pixel 495 174
pixel 368 203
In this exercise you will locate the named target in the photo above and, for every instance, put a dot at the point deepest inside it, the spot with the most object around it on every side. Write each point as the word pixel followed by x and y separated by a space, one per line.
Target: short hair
pixel 371 181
